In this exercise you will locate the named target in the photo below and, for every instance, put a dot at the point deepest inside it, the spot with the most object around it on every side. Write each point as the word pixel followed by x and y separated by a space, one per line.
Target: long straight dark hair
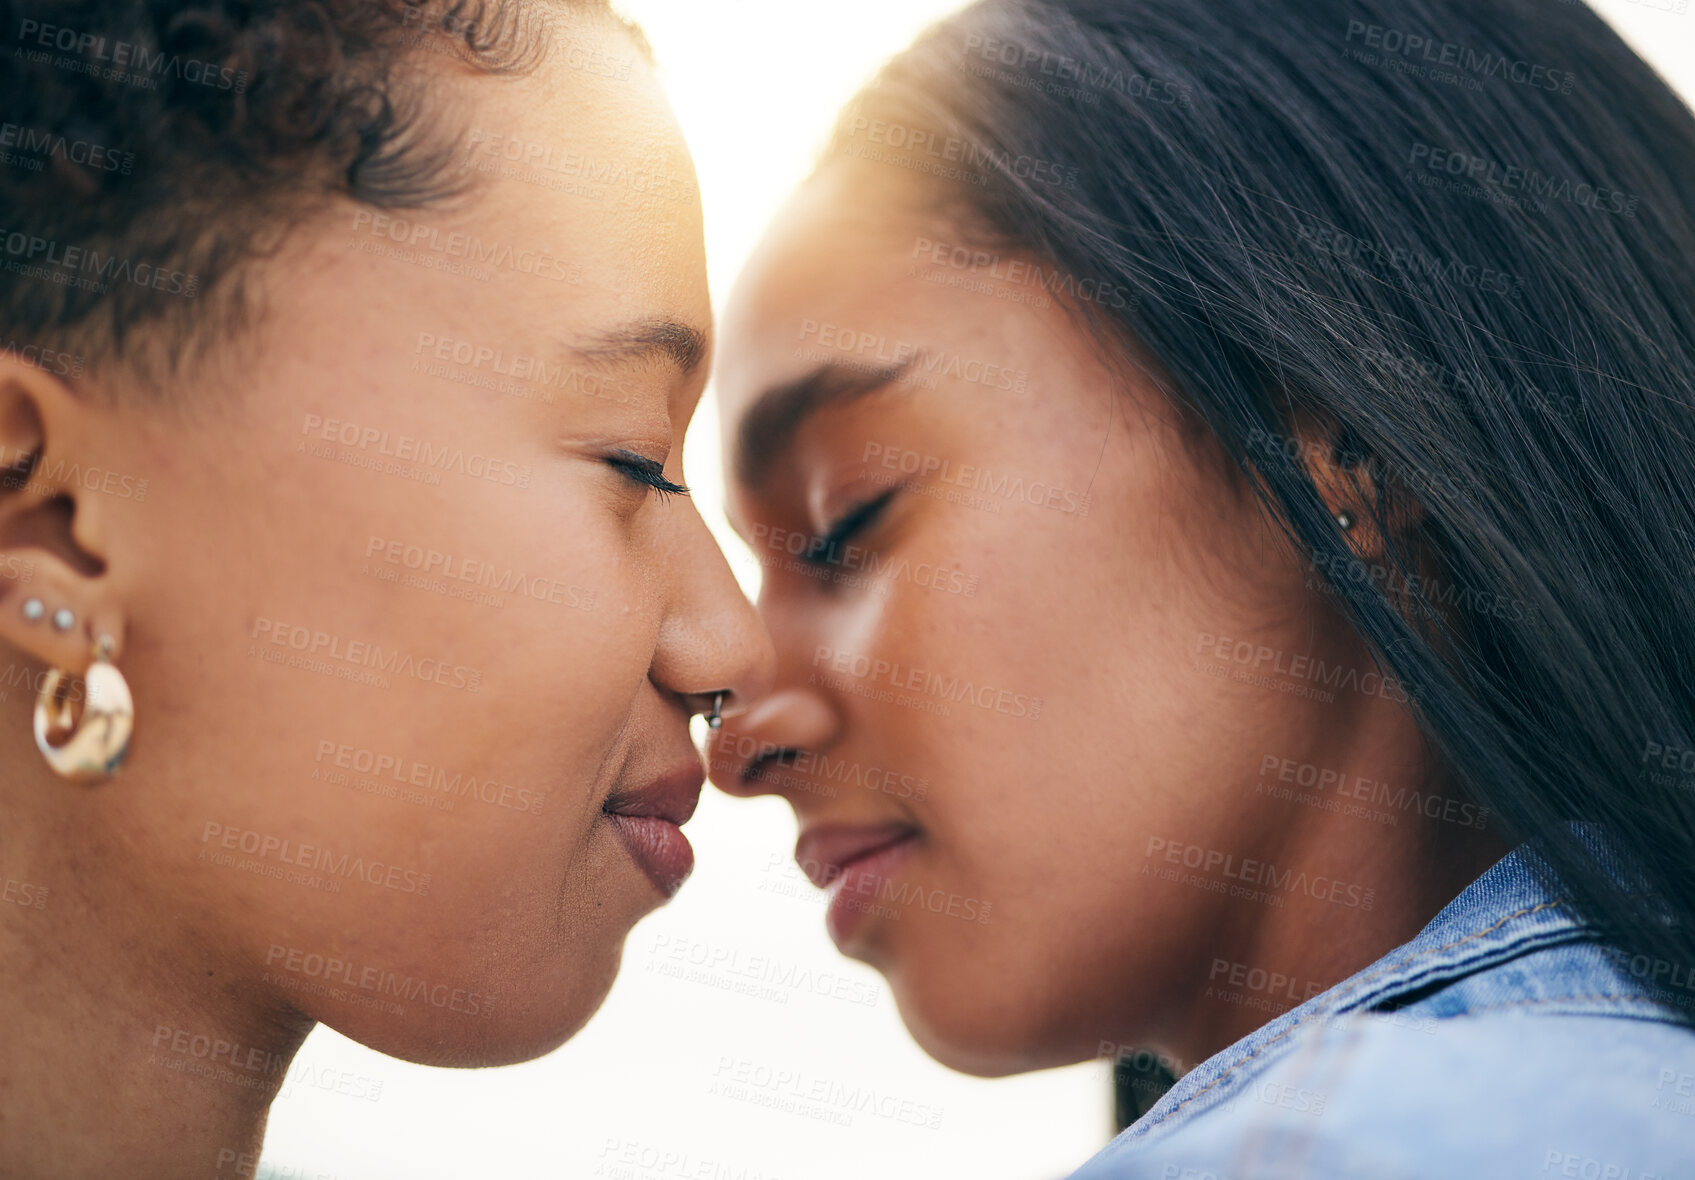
pixel 1458 233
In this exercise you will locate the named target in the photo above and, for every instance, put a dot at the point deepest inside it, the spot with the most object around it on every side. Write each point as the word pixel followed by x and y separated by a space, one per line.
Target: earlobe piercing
pixel 1345 519
pixel 716 718
pixel 33 610
pixel 96 744
pixel 63 619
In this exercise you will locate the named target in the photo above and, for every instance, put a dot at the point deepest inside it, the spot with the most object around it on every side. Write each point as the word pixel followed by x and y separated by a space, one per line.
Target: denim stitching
pixel 1358 984
pixel 1612 997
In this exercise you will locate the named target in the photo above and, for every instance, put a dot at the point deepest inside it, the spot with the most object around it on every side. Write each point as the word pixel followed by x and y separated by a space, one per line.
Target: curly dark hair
pixel 151 149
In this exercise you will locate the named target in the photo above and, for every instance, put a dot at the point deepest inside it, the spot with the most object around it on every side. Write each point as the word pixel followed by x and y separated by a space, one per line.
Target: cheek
pixel 393 674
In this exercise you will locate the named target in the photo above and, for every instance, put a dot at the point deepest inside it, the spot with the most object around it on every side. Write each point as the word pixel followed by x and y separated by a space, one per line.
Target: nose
pixel 753 743
pixel 711 640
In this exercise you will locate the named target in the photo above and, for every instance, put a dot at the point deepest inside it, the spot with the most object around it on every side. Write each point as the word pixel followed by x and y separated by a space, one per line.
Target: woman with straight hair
pixel 1240 459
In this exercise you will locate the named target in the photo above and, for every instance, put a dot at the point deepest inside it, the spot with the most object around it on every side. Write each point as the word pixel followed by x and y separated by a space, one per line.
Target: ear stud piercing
pixel 1345 519
pixel 63 619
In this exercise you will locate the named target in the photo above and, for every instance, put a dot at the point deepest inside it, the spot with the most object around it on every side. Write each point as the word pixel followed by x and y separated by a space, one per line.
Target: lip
pixel 650 823
pixel 825 853
pixel 852 862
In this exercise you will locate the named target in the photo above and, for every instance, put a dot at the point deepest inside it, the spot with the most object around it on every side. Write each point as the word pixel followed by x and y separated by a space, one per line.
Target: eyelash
pixel 647 472
pixel 852 522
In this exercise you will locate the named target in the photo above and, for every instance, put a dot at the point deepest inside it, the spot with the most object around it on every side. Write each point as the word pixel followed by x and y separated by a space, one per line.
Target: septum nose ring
pixel 716 718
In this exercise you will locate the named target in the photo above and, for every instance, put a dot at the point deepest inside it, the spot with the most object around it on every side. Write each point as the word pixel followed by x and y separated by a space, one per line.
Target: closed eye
pixel 646 471
pixel 851 523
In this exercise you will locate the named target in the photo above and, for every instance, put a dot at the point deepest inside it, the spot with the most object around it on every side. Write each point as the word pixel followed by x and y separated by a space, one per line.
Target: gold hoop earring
pixel 99 739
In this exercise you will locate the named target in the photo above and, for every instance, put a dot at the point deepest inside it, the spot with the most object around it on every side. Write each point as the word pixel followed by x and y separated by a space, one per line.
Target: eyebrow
pixel 776 416
pixel 683 345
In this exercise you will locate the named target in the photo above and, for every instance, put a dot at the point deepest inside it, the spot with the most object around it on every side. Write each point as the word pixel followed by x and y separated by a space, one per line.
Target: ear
pixel 56 599
pixel 1361 489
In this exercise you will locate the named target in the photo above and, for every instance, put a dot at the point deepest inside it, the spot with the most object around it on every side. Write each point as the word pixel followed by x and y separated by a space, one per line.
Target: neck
pixel 1263 959
pixel 127 1046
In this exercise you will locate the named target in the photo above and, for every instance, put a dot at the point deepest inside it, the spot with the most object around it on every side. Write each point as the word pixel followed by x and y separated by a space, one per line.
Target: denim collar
pixel 1508 913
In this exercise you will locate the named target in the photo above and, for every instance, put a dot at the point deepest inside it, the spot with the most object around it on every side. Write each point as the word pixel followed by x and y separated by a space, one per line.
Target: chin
pixel 986 1035
pixel 515 1019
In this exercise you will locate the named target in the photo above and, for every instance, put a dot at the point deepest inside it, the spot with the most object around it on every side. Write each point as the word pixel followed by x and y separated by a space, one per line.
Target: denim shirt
pixel 1503 1042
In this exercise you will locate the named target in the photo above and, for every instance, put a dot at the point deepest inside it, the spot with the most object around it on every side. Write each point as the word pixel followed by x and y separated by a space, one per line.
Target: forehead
pixel 835 257
pixel 582 159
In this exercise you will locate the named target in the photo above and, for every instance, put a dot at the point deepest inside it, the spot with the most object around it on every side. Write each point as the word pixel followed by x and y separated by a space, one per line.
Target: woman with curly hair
pixel 346 350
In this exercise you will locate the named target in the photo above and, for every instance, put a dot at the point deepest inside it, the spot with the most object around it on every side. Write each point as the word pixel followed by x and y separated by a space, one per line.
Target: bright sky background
pixel 756 84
